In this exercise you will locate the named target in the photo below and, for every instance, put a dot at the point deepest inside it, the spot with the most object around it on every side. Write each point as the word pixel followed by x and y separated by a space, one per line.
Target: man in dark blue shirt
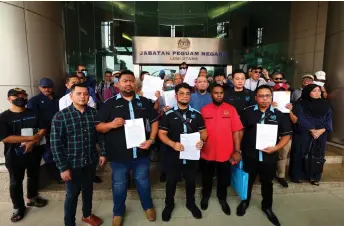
pixel 46 104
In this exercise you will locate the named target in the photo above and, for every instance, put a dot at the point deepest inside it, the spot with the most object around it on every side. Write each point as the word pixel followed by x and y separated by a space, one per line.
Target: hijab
pixel 313 107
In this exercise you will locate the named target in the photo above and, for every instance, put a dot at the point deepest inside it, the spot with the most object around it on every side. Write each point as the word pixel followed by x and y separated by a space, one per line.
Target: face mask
pixel 115 80
pixel 85 73
pixel 19 102
pixel 182 71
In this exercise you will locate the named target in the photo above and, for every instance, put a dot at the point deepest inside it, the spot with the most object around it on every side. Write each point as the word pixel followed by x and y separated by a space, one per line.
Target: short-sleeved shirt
pixel 11 124
pixel 240 100
pixel 220 121
pixel 46 106
pixel 118 107
pixel 198 100
pixel 253 116
pixel 171 123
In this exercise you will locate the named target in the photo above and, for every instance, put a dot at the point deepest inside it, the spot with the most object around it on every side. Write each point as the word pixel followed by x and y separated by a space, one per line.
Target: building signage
pixel 197 51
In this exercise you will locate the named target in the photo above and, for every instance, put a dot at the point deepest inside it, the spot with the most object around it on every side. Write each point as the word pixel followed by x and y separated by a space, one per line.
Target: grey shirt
pixel 296 95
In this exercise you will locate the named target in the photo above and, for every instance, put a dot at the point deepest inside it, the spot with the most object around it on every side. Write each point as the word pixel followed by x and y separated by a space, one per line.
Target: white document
pixel 170 98
pixel 282 98
pixel 43 141
pixel 26 132
pixel 189 142
pixel 191 76
pixel 151 85
pixel 266 136
pixel 134 132
pixel 319 83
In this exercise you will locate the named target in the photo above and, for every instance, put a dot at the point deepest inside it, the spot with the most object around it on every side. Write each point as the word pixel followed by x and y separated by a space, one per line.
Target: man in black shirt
pixel 111 119
pixel 21 132
pixel 182 119
pixel 238 95
pixel 262 162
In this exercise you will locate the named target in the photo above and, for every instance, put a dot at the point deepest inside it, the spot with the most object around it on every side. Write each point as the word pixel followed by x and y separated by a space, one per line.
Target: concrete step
pixel 333 178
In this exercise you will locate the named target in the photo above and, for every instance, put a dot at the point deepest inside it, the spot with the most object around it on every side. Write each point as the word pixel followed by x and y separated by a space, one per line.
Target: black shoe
pixel 225 207
pixel 204 203
pixel 196 213
pixel 241 209
pixel 37 202
pixel 18 214
pixel 282 182
pixel 167 212
pixel 271 216
pixel 97 180
pixel 162 177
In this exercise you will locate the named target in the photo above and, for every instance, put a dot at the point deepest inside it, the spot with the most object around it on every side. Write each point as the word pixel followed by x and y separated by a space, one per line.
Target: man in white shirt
pixel 66 101
pixel 255 80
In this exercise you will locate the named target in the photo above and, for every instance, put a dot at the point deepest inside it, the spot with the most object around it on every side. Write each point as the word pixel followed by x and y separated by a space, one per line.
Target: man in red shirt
pixel 221 148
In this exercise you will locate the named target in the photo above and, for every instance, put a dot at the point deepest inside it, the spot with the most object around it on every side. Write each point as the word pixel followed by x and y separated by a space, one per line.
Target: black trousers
pixel 16 166
pixel 82 180
pixel 266 172
pixel 174 171
pixel 223 173
pixel 162 157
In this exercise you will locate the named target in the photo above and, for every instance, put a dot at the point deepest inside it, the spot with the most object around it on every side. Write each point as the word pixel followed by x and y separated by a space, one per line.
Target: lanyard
pixel 132 116
pixel 260 152
pixel 185 132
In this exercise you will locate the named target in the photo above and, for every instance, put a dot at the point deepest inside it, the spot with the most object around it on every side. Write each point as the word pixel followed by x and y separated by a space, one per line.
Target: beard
pixel 183 104
pixel 217 103
pixel 128 93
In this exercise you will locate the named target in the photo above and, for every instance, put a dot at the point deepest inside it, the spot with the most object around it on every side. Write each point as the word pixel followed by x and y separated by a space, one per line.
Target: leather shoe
pixel 282 181
pixel 204 203
pixel 241 209
pixel 196 213
pixel 167 212
pixel 151 214
pixel 93 220
pixel 225 207
pixel 117 221
pixel 271 216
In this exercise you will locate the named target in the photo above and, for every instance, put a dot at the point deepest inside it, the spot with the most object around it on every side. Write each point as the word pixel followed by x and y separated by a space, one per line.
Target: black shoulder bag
pixel 313 161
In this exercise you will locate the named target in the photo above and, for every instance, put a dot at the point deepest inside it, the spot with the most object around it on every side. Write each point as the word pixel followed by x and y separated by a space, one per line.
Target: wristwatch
pixel 153 141
pixel 238 151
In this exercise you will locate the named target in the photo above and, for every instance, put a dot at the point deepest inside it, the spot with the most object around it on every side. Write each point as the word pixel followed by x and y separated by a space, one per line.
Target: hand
pixel 102 160
pixel 224 81
pixel 157 94
pixel 36 138
pixel 146 145
pixel 29 146
pixel 236 157
pixel 178 146
pixel 274 104
pixel 289 106
pixel 270 150
pixel 266 74
pixel 66 175
pixel 167 108
pixel 199 145
pixel 118 122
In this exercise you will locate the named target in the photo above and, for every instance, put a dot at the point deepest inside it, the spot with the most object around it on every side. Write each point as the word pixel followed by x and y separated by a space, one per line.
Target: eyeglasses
pixel 84 70
pixel 258 72
pixel 182 67
pixel 262 96
pixel 308 79
pixel 279 79
pixel 184 94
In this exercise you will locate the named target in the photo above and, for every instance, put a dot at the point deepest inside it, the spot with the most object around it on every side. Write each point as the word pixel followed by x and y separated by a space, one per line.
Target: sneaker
pixel 37 202
pixel 196 213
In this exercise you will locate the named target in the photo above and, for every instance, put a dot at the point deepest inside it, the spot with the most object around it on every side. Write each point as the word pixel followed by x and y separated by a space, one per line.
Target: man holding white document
pixel 183 131
pixel 267 130
pixel 130 125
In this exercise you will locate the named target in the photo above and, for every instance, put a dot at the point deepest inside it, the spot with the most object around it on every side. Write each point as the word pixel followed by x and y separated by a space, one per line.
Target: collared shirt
pixel 103 89
pixel 73 138
pixel 174 126
pixel 295 96
pixel 250 118
pixel 253 84
pixel 46 107
pixel 66 101
pixel 198 100
pixel 239 99
pixel 220 121
pixel 118 107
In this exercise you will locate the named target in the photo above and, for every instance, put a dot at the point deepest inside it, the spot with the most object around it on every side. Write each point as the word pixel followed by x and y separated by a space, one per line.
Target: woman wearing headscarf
pixel 312 118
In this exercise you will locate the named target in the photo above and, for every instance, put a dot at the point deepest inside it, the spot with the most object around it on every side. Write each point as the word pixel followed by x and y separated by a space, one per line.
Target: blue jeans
pixel 120 174
pixel 82 180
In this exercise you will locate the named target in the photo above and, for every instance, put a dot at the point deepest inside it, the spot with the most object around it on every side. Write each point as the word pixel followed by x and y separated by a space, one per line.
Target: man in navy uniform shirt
pixel 262 162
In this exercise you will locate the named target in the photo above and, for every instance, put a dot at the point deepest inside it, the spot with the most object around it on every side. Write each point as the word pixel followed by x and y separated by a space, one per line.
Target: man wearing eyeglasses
pixel 262 162
pixel 306 80
pixel 255 79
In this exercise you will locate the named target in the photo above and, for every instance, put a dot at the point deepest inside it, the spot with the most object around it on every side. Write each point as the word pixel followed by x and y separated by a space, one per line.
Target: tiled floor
pixel 304 209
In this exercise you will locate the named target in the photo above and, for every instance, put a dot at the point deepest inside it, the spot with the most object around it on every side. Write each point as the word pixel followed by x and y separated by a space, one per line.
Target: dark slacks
pixel 266 172
pixel 174 171
pixel 16 166
pixel 82 180
pixel 223 172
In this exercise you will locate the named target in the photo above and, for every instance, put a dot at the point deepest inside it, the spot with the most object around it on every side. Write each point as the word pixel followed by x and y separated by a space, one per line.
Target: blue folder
pixel 239 180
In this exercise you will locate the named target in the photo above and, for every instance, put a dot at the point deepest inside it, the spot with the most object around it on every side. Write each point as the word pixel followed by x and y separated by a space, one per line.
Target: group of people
pixel 85 128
